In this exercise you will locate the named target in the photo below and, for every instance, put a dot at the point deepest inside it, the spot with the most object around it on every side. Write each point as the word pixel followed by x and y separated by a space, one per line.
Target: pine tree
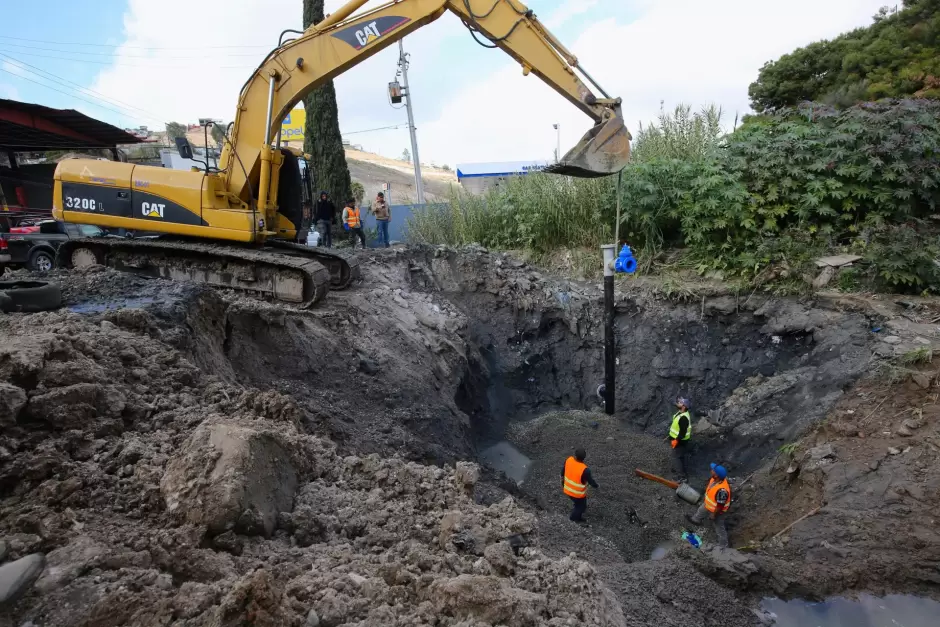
pixel 322 138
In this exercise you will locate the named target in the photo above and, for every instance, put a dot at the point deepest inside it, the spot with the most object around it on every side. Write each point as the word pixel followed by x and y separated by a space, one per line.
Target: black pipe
pixel 610 359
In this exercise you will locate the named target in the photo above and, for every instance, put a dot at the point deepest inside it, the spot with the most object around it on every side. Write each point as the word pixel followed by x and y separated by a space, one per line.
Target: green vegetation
pixel 322 139
pixel 757 204
pixel 896 57
pixel 174 130
pixel 923 355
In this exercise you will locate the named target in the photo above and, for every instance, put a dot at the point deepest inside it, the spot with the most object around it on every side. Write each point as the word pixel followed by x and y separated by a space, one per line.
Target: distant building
pixel 479 177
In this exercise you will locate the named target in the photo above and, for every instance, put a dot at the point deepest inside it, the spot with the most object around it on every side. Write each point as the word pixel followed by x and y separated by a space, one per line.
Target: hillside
pixel 898 56
pixel 372 170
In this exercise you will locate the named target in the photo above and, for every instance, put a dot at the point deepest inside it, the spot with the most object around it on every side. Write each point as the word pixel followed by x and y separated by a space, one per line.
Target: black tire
pixel 30 296
pixel 41 260
pixel 6 303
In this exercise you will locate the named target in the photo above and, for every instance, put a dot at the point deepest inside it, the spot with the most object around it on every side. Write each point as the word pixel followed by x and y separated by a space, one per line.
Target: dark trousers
pixel 383 232
pixel 326 232
pixel 580 505
pixel 680 456
pixel 357 233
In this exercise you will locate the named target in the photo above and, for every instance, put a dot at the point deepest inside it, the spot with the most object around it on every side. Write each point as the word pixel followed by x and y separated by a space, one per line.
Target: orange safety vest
pixel 353 219
pixel 572 485
pixel 711 492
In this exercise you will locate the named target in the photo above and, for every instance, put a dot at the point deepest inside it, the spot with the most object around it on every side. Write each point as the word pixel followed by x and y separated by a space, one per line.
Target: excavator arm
pixel 342 41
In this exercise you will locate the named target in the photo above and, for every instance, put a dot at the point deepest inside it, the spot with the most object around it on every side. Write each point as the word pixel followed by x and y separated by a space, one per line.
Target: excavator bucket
pixel 604 150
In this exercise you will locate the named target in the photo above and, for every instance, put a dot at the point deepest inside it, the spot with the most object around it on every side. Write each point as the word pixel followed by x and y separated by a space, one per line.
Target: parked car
pixel 37 250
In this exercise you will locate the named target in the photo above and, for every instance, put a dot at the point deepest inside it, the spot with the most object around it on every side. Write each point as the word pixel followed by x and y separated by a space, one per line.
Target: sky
pixel 146 62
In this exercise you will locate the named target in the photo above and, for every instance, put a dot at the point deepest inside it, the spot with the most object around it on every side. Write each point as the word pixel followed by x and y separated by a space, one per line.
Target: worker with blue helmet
pixel 716 503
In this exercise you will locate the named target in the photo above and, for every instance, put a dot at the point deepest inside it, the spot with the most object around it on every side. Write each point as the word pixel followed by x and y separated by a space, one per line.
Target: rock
pixel 466 474
pixel 824 277
pixel 225 473
pixel 69 562
pixel 357 579
pixel 12 401
pixel 17 577
pixel 313 620
pixel 704 428
pixel 913 423
pixel 891 339
pixel 484 598
pixel 836 261
pixel 893 450
pixel 922 380
pixel 821 452
pixel 3 550
pixel 368 366
pixel 501 558
pixel 904 432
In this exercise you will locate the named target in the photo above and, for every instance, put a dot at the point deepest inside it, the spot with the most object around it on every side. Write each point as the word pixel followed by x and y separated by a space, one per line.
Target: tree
pixel 358 192
pixel 218 134
pixel 898 56
pixel 406 155
pixel 322 138
pixel 174 130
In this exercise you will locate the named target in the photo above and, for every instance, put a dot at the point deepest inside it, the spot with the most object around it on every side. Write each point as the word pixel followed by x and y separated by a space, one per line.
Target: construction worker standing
pixel 575 478
pixel 716 504
pixel 680 432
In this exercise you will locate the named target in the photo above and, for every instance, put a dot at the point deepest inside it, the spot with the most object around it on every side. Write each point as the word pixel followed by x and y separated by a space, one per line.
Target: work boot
pixel 692 520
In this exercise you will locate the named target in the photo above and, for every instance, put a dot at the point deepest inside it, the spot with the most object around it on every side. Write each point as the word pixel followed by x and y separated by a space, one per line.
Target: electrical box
pixel 394 92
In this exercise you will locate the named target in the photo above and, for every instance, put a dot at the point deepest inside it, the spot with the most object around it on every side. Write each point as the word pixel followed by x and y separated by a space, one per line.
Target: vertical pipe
pixel 610 359
pixel 270 112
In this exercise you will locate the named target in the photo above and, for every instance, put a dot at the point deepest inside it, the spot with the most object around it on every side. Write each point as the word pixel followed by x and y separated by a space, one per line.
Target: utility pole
pixel 403 64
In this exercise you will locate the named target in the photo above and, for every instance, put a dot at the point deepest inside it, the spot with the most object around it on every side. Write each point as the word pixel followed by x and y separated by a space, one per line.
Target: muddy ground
pixel 184 456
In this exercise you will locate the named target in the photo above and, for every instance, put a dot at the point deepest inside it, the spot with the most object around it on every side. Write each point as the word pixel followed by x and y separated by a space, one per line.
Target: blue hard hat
pixel 719 470
pixel 683 401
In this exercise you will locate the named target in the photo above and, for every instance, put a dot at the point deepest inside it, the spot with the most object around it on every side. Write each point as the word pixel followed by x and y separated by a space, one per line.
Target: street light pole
pixel 403 64
pixel 557 128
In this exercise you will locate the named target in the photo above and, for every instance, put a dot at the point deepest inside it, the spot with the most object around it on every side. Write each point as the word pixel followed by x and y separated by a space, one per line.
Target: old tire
pixel 41 261
pixel 30 296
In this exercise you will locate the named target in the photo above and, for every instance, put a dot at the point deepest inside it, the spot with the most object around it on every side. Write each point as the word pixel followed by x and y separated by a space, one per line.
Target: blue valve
pixel 625 262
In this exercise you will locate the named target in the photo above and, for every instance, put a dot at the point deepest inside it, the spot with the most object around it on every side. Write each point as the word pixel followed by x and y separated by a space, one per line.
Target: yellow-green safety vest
pixel 674 430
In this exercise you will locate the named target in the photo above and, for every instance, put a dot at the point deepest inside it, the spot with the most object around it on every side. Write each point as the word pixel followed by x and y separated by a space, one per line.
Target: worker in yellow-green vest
pixel 575 478
pixel 680 432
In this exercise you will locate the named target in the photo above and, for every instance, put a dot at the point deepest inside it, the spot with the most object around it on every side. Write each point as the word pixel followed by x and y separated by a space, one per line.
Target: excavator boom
pixel 338 43
pixel 234 228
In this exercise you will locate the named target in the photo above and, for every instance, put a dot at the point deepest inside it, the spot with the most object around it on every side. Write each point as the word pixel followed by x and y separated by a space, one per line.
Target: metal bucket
pixel 688 494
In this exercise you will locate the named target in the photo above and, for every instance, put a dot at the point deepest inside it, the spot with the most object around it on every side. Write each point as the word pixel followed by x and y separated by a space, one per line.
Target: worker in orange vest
pixel 716 504
pixel 353 223
pixel 575 478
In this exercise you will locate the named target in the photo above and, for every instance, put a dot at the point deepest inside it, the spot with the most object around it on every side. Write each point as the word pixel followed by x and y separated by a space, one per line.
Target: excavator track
pixel 268 272
pixel 344 269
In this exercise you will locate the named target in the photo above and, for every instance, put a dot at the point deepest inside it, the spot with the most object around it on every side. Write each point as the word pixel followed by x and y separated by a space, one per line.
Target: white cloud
pixel 12 68
pixel 674 51
pixel 9 92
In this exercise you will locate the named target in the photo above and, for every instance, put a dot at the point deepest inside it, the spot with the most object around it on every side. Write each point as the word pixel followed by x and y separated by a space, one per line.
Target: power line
pixel 113 54
pixel 60 80
pixel 91 102
pixel 138 65
pixel 76 43
pixel 369 130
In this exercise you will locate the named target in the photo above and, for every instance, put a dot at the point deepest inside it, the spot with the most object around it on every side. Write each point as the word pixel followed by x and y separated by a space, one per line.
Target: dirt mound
pixel 151 486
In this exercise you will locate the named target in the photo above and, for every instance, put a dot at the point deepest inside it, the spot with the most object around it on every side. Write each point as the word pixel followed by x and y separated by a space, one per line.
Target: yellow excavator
pixel 233 226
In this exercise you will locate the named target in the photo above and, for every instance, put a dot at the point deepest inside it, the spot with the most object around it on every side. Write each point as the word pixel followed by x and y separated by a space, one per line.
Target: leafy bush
pixel 896 57
pixel 679 135
pixel 779 191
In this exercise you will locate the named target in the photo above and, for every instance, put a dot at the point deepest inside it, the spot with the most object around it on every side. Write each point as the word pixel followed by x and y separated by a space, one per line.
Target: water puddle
pixel 507 458
pixel 866 611
pixel 113 305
